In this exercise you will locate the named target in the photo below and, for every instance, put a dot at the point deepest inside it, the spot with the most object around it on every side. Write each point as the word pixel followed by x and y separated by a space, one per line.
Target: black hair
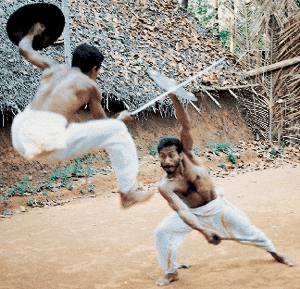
pixel 170 141
pixel 86 57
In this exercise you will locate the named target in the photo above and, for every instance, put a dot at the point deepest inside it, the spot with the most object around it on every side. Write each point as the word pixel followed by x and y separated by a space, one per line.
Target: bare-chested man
pixel 44 129
pixel 190 192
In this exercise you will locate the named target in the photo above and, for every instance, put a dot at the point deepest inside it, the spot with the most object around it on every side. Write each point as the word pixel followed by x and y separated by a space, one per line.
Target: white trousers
pixel 220 216
pixel 42 135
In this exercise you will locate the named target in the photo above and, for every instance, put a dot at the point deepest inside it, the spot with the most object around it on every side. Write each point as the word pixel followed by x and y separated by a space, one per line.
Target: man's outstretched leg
pixel 282 259
pixel 113 136
pixel 239 226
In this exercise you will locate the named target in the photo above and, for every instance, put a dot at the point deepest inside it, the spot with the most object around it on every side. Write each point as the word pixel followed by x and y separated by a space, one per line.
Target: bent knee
pixel 119 126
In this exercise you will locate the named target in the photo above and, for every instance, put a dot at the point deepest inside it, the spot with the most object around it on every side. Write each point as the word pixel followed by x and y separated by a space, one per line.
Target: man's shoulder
pixel 165 184
pixel 200 170
pixel 82 78
pixel 54 69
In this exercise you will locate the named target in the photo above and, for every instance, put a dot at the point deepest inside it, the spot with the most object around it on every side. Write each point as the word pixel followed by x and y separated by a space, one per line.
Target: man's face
pixel 169 159
pixel 94 73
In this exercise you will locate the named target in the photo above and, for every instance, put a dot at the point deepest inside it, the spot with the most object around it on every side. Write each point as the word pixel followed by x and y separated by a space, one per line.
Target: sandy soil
pixel 92 243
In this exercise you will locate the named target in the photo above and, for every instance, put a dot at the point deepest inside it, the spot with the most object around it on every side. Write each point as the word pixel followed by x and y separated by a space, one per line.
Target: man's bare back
pixel 46 128
pixel 65 91
pixel 62 89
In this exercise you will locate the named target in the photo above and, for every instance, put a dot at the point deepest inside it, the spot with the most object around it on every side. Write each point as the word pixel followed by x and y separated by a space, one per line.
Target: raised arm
pixel 26 50
pixel 184 120
pixel 187 216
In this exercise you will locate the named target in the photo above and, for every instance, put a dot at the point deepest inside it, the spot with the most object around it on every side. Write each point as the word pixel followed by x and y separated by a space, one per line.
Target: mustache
pixel 169 166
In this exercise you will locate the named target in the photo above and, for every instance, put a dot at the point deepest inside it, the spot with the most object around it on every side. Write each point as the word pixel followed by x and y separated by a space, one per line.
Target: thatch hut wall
pixel 133 36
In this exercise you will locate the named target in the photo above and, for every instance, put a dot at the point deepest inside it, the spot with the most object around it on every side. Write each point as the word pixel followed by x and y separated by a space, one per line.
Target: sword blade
pixel 153 101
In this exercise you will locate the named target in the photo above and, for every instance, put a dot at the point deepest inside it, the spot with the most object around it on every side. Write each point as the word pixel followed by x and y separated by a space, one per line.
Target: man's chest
pixel 182 187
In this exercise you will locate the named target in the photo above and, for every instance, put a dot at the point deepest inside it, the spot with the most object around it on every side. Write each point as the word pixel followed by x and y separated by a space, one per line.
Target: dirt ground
pixel 92 243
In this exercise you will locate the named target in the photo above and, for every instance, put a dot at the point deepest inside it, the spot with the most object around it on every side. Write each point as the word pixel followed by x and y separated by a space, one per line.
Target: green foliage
pixel 232 158
pixel 284 143
pixel 55 175
pixel 197 151
pixel 218 148
pixel 224 36
pixel 30 202
pixel 23 186
pixel 207 18
pixel 204 12
pixel 225 148
pixel 80 167
pixel 152 149
pixel 222 166
pixel 298 2
pixel 19 189
pixel 275 152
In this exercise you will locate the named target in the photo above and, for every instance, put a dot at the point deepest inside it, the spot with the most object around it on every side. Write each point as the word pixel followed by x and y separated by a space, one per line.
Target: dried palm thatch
pixel 19 80
pixel 133 36
pixel 266 31
pixel 287 87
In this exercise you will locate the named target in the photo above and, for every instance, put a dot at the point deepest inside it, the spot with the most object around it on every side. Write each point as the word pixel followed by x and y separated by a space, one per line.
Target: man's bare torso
pixel 63 90
pixel 195 191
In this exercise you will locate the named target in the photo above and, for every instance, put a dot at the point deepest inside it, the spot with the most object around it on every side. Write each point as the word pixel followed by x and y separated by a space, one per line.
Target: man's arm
pixel 95 104
pixel 185 214
pixel 26 50
pixel 98 111
pixel 185 134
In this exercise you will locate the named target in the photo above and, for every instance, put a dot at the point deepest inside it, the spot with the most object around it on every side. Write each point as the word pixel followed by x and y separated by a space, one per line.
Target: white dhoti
pixel 43 135
pixel 218 215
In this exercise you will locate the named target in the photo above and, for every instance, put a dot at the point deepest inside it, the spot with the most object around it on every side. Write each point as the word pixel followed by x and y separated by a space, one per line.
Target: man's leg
pixel 113 136
pixel 237 225
pixel 169 234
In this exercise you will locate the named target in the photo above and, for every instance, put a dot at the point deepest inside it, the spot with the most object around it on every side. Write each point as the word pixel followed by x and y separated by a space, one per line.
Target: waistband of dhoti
pixel 212 207
pixel 29 110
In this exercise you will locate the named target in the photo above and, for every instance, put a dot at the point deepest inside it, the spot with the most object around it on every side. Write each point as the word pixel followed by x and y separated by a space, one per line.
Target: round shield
pixel 22 20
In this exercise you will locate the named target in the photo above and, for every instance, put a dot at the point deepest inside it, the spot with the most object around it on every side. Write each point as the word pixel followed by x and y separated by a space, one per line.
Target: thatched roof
pixel 133 36
pixel 19 79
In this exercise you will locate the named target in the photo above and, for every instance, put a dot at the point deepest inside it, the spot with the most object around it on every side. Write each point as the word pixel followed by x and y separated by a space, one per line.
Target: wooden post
pixel 67 42
pixel 184 4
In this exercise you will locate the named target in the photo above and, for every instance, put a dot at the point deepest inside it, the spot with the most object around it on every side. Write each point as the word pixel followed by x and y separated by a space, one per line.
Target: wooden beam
pixel 211 97
pixel 233 94
pixel 274 66
pixel 230 86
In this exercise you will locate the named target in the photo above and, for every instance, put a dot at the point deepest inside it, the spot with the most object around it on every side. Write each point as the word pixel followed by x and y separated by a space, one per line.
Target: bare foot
pixel 184 266
pixel 136 195
pixel 167 279
pixel 282 259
